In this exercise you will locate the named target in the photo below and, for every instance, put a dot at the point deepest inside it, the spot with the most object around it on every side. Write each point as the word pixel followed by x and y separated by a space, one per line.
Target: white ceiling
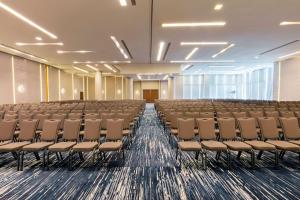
pixel 252 25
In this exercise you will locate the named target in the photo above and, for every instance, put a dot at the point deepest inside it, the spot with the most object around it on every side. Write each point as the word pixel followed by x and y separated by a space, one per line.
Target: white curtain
pixel 256 84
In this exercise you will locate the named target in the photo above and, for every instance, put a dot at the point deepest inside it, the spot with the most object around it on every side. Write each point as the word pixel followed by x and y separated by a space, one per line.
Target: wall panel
pixel 6 85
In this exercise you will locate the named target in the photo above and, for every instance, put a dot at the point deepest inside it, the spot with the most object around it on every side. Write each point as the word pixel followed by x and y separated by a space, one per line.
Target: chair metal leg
pixel 48 155
pixel 180 157
pixel 37 156
pixel 239 155
pixel 252 158
pixel 18 161
pixel 204 160
pixel 277 158
pixel 281 154
pixel 22 160
pixel 176 152
pixel 259 155
pixel 70 160
pixel 81 156
pixel 218 154
pixel 57 156
pixel 229 159
pixel 44 158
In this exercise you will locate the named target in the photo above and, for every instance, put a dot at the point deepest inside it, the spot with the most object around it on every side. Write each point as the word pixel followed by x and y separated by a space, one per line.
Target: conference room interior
pixel 149 99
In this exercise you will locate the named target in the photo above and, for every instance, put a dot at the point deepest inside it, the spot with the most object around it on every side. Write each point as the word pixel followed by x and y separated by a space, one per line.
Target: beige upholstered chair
pixel 270 133
pixel 70 138
pixel 291 129
pixel 90 139
pixel 207 134
pixel 7 128
pixel 250 136
pixel 186 138
pixel 47 138
pixel 26 136
pixel 229 138
pixel 114 137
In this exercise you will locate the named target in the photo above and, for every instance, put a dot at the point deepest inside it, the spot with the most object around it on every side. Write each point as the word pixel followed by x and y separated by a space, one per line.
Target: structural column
pixel 170 88
pixel 130 88
pixel 98 86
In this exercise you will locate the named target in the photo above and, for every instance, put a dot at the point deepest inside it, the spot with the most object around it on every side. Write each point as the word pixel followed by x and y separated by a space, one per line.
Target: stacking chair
pixel 7 128
pixel 26 136
pixel 275 115
pixel 186 138
pixel 114 137
pixel 104 117
pixel 75 115
pixel 207 115
pixel 23 116
pixel 41 118
pixel 60 117
pixel 224 114
pixel 70 138
pixel 47 138
pixel 91 116
pixel 228 137
pixel 291 129
pixel 287 114
pixel 174 124
pixel 207 134
pixel 250 136
pixel 270 133
pixel 256 115
pixel 10 116
pixel 91 139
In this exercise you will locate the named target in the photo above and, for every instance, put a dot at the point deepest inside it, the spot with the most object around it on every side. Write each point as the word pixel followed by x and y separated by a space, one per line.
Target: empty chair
pixel 60 117
pixel 174 124
pixel 91 139
pixel 47 138
pixel 104 118
pixel 224 114
pixel 287 114
pixel 270 133
pixel 113 138
pixel 91 116
pixel 23 116
pixel 229 138
pixel 75 115
pixel 239 114
pixel 26 136
pixel 275 115
pixel 256 115
pixel 7 128
pixel 206 115
pixel 69 139
pixel 41 118
pixel 206 128
pixel 186 138
pixel 250 136
pixel 291 129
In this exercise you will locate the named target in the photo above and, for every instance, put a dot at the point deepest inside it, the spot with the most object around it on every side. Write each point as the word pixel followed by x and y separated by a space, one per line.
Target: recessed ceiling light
pixel 64 52
pixel 202 43
pixel 191 53
pixel 79 69
pixel 223 50
pixel 165 77
pixel 91 67
pixel 100 62
pixel 40 44
pixel 193 24
pixel 289 55
pixel 38 38
pixel 186 67
pixel 25 19
pixel 23 53
pixel 123 2
pixel 114 39
pixel 218 6
pixel 290 23
pixel 202 61
pixel 160 50
pixel 110 68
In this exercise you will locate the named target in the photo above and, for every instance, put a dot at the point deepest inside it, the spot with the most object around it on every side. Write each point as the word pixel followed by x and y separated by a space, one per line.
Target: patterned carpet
pixel 150 171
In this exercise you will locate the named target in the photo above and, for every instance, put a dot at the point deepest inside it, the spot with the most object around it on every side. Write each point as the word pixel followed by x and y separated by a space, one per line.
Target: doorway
pixel 150 95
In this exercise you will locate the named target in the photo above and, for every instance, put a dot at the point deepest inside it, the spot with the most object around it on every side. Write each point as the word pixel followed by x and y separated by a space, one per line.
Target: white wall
pixel 287 80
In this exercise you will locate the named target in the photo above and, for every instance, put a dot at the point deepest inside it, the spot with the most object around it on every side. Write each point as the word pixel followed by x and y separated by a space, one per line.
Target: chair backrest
pixel 287 114
pixel 268 127
pixel 91 116
pixel 290 127
pixel 60 117
pixel 248 128
pixel 50 129
pixel 27 129
pixel 275 115
pixel 75 115
pixel 239 114
pixel 105 117
pixel 206 128
pixel 10 116
pixel 227 128
pixel 92 129
pixel 126 117
pixel 71 129
pixel 7 128
pixel 186 128
pixel 207 115
pixel 23 116
pixel 2 114
pixel 41 118
pixel 256 115
pixel 224 114
pixel 114 129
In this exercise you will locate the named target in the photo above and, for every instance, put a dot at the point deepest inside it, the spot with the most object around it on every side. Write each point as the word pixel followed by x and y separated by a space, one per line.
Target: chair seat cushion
pixel 85 146
pixel 213 145
pixel 237 145
pixel 126 132
pixel 174 131
pixel 261 145
pixel 61 146
pixel 13 146
pixel 189 146
pixel 295 142
pixel 5 142
pixel 37 146
pixel 110 146
pixel 284 145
